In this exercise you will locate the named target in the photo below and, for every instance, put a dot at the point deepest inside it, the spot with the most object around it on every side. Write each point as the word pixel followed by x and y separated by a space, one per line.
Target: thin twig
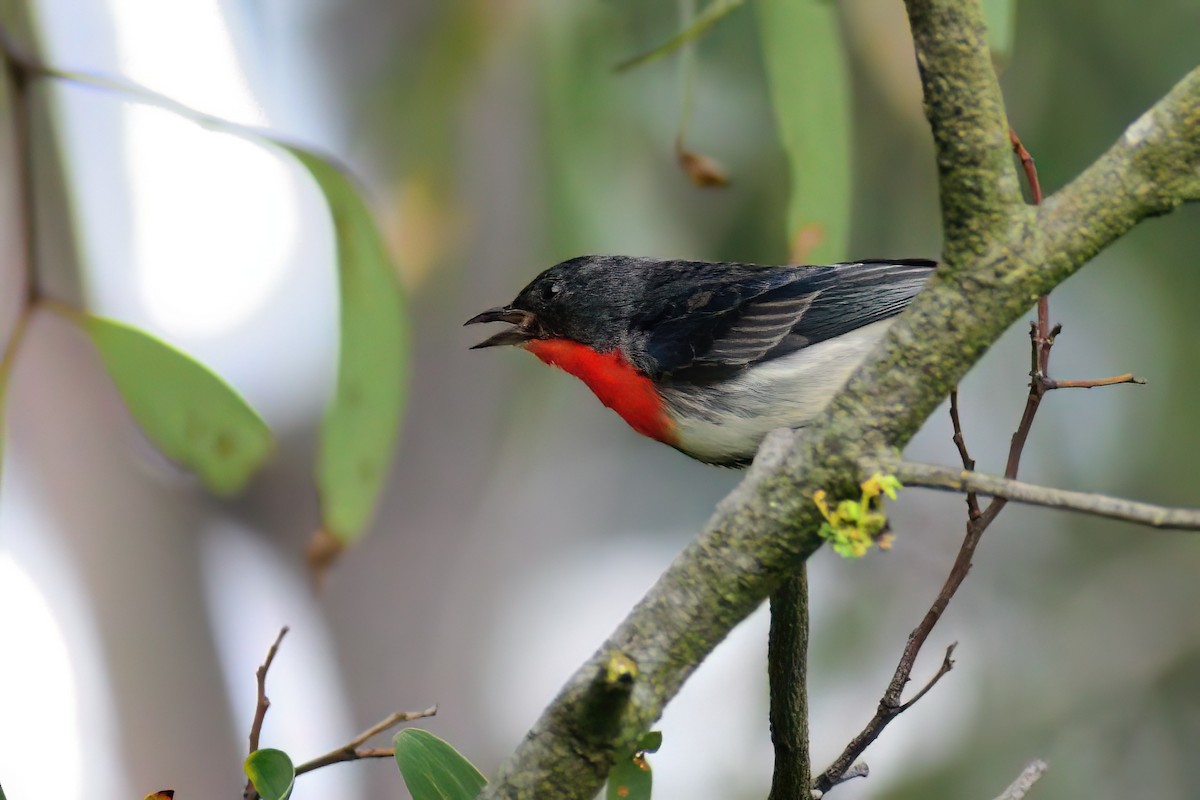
pixel 858 769
pixel 891 707
pixel 947 665
pixel 1035 187
pixel 261 706
pixel 1094 383
pixel 1025 781
pixel 961 443
pixel 933 476
pixel 260 709
pixel 353 750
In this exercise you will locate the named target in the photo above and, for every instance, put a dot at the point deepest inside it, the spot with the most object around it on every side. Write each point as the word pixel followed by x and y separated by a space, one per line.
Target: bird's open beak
pixel 522 320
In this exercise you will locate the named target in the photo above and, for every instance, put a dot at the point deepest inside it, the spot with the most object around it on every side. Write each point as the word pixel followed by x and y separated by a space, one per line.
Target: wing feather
pixel 763 313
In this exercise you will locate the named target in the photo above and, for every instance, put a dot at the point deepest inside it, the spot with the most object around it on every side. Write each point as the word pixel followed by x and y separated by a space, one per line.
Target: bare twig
pixel 1094 383
pixel 858 769
pixel 1025 781
pixel 933 476
pixel 890 706
pixel 1035 186
pixel 961 443
pixel 353 750
pixel 947 665
pixel 260 708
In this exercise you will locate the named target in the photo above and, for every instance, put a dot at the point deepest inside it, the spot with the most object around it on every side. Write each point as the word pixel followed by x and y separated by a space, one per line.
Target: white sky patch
pixel 41 734
pixel 215 218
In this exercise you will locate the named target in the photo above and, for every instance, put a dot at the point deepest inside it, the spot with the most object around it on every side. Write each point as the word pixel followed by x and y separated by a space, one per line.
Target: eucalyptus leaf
pixel 809 89
pixel 271 772
pixel 433 770
pixel 188 411
pixel 361 424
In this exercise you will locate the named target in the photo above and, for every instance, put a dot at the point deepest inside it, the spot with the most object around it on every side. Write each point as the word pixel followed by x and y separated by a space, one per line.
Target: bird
pixel 707 357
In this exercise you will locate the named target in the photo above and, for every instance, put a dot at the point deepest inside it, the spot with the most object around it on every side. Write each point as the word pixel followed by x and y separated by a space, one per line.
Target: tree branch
pixel 787 665
pixel 890 706
pixel 979 186
pixel 354 750
pixel 1025 781
pixel 261 706
pixel 1150 170
pixel 932 476
pixel 1000 256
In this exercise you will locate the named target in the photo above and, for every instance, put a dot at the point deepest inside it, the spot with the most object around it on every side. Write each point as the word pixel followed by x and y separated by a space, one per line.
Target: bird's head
pixel 588 300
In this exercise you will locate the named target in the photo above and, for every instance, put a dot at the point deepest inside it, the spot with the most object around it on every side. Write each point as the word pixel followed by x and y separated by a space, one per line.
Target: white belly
pixel 723 423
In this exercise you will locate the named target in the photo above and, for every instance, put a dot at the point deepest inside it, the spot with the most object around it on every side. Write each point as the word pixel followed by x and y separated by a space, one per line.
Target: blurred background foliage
pixel 522 519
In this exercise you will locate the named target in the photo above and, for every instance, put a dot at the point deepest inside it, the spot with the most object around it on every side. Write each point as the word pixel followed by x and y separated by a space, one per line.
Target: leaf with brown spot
pixel 161 794
pixel 187 410
pixel 630 779
pixel 363 420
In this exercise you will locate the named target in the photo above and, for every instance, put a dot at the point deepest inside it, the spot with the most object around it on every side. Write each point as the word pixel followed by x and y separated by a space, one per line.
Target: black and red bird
pixel 705 357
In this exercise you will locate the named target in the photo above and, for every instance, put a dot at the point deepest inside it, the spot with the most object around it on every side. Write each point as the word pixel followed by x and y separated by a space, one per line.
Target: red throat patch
pixel 614 381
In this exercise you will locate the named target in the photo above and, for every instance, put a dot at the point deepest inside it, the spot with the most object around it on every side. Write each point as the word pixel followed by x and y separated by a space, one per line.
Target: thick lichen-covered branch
pixel 1001 259
pixel 978 180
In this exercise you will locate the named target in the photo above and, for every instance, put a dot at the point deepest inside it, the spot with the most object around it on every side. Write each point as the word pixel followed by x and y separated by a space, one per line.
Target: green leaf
pixel 809 88
pixel 361 424
pixel 1001 17
pixel 433 770
pixel 271 772
pixel 649 742
pixel 192 415
pixel 630 779
pixel 714 13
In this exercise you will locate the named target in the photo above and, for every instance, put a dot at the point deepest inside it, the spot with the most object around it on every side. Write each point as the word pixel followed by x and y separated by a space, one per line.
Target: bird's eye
pixel 550 290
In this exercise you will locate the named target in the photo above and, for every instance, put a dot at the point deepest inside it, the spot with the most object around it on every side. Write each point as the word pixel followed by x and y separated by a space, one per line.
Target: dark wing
pixel 763 313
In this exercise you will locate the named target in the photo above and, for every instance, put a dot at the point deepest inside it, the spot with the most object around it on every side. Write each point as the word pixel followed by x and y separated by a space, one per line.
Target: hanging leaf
pixel 271 772
pixel 809 89
pixel 433 770
pixel 189 413
pixel 361 424
pixel 716 11
pixel 1001 17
